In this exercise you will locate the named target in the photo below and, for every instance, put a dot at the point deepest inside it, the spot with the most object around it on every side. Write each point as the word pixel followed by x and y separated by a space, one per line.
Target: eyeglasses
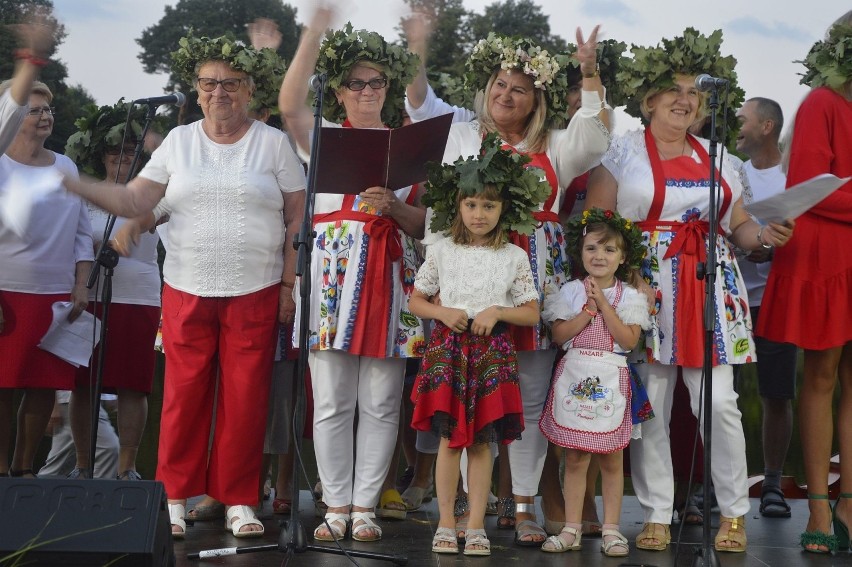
pixel 116 150
pixel 358 85
pixel 209 85
pixel 38 111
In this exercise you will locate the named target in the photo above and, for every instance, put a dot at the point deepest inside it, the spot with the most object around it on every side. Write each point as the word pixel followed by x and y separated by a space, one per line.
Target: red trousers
pixel 205 337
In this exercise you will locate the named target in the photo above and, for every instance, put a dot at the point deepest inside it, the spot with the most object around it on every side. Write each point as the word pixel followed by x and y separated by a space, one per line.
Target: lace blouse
pixel 474 278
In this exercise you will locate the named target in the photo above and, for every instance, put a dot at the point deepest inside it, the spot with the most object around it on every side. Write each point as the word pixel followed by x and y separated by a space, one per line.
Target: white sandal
pixel 478 538
pixel 177 512
pixel 336 532
pixel 369 524
pixel 557 544
pixel 238 516
pixel 617 541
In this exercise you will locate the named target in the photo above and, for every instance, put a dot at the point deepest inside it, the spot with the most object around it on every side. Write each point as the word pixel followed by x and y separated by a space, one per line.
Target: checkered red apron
pixel 588 407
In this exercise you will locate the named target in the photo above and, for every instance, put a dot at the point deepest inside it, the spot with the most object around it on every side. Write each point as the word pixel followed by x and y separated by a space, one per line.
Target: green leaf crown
pixel 264 66
pixel 692 54
pixel 829 62
pixel 634 248
pixel 98 129
pixel 343 49
pixel 522 188
pixel 549 72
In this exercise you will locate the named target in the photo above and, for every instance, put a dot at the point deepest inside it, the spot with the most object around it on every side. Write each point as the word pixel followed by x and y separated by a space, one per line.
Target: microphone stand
pixel 108 258
pixel 706 556
pixel 292 538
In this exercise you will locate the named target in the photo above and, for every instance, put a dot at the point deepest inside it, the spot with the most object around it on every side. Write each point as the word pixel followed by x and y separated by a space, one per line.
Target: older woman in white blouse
pixel 231 186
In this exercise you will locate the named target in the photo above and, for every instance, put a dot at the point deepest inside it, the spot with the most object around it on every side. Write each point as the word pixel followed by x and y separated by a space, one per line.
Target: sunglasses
pixel 209 85
pixel 358 85
pixel 38 111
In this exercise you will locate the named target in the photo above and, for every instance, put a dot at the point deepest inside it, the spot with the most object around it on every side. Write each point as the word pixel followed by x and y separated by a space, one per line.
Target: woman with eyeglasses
pixel 363 266
pixel 234 192
pixel 44 258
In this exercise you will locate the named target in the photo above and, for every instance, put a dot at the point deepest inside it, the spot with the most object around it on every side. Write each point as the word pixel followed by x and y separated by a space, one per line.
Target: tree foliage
pixel 521 18
pixel 212 18
pixel 69 102
pixel 456 30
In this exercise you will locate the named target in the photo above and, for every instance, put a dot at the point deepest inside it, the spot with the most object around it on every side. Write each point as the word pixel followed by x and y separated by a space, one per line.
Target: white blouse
pixel 474 278
pixel 225 235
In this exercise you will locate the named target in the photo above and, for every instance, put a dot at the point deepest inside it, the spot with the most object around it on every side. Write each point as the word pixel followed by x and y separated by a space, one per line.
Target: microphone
pixel 705 82
pixel 177 98
pixel 316 81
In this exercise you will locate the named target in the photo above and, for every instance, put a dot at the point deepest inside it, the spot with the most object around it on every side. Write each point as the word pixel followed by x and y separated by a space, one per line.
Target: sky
pixel 765 36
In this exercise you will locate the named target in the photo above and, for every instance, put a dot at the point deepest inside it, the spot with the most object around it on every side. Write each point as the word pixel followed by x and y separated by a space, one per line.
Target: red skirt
pixel 130 356
pixel 467 388
pixel 28 316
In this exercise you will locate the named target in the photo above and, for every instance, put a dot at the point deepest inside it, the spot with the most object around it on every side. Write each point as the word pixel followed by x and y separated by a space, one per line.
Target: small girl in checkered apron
pixel 598 319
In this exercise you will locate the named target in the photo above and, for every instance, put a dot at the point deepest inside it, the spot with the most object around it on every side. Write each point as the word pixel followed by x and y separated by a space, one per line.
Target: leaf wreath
pixel 829 63
pixel 265 66
pixel 549 72
pixel 523 189
pixel 691 54
pixel 343 49
pixel 98 129
pixel 634 248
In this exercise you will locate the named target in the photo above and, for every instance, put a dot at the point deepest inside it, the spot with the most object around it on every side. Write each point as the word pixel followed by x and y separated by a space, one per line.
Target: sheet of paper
pixel 796 200
pixel 19 195
pixel 72 342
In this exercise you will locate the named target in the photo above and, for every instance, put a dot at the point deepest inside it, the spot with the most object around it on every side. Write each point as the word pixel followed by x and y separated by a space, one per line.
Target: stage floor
pixel 771 542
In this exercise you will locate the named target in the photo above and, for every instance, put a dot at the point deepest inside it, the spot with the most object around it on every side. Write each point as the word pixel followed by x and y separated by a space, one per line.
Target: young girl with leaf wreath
pixel 467 389
pixel 598 319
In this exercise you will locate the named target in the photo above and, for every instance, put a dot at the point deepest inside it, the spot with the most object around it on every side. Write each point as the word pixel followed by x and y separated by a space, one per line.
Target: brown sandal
pixel 735 534
pixel 653 531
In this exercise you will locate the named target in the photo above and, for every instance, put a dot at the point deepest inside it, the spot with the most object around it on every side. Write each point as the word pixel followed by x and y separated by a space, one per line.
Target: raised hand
pixel 264 32
pixel 587 51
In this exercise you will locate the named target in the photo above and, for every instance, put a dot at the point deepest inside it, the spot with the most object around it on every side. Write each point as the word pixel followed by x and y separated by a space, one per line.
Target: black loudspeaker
pixel 84 522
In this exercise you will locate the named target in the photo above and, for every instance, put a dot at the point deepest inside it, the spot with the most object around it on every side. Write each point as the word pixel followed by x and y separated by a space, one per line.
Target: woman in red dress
pixel 811 283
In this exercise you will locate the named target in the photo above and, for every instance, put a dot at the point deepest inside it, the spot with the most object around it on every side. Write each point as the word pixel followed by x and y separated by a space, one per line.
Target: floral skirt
pixel 467 388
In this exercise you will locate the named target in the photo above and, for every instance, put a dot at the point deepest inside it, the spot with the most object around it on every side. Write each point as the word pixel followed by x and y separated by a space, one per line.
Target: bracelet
pixel 288 284
pixel 589 312
pixel 593 74
pixel 760 239
pixel 27 55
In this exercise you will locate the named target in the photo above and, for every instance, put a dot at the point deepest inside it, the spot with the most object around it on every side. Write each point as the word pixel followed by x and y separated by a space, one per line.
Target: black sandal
pixel 772 503
pixel 21 473
pixel 506 514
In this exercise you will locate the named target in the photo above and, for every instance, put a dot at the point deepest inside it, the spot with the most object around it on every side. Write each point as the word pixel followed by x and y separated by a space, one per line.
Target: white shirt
pixel 474 278
pixel 11 116
pixel 58 235
pixel 136 279
pixel 225 235
pixel 764 183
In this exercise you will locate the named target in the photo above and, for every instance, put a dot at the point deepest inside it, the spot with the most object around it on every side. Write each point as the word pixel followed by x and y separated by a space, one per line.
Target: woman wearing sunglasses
pixel 231 186
pixel 363 266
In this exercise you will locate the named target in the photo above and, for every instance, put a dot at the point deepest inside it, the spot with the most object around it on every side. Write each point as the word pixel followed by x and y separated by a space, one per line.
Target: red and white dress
pixel 588 407
pixel 674 229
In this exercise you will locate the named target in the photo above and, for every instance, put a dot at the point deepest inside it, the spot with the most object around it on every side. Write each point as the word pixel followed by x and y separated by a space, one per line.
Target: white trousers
pixel 650 456
pixel 342 383
pixel 526 455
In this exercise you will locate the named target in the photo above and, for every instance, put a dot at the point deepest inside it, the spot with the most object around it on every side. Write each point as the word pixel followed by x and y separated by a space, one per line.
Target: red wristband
pixel 588 311
pixel 27 55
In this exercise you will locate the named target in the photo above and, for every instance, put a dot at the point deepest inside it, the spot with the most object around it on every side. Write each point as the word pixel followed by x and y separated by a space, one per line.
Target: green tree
pixel 69 102
pixel 212 18
pixel 451 38
pixel 521 18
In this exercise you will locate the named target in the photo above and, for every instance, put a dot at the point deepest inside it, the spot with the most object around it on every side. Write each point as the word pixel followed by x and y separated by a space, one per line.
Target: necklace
pixel 664 156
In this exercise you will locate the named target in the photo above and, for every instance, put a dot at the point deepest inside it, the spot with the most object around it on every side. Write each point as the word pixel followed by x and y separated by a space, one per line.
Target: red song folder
pixel 354 159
